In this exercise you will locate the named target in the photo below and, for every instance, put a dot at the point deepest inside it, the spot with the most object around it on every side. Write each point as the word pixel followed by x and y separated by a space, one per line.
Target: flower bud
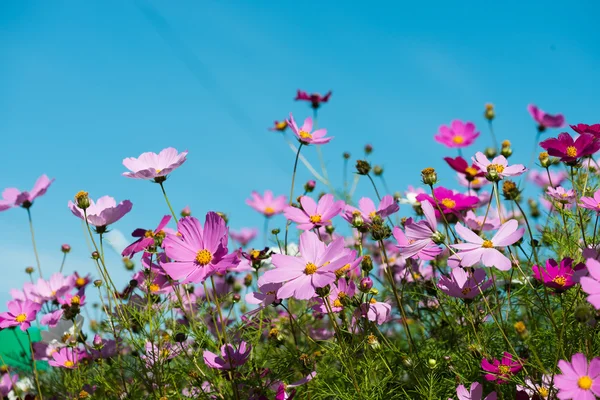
pixel 29 270
pixel 129 265
pixel 357 220
pixel 377 170
pixel 492 173
pixel 82 200
pixel 431 363
pixel 275 231
pixel 98 343
pixel 521 329
pixel 346 155
pixel 329 229
pixel 323 291
pixel 510 191
pixel 363 167
pixel 65 248
pixel 186 212
pixel 310 186
pixel 236 298
pixel 373 342
pixel 366 264
pixel 438 237
pixel 544 158
pixel 248 280
pixel 368 149
pixel 95 255
pixel 97 283
pixel 506 150
pixel 180 337
pixel 429 176
pixel 365 284
pixel 489 113
pixel 490 152
pixel 582 313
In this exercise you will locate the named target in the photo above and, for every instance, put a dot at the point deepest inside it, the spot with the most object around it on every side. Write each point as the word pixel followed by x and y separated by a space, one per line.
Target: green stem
pixel 34 366
pixel 168 202
pixel 37 257
pixel 287 225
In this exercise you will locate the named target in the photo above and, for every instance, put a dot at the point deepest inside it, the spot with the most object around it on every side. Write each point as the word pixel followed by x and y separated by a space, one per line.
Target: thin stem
pixel 266 231
pixel 34 366
pixel 168 202
pixel 287 225
pixel 533 244
pixel 494 141
pixel 37 257
pixel 374 187
pixel 62 264
pixel 595 227
pixel 535 145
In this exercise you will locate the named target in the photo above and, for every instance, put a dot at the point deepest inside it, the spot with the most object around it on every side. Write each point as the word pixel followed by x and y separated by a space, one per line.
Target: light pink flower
pixel 591 203
pixel 591 284
pixel 477 223
pixel 67 357
pixel 267 204
pixel 499 165
pixel 151 165
pixel 475 392
pixel 13 197
pixel 477 249
pixel 366 209
pixel 314 215
pixel 304 134
pixel 374 311
pixel 230 358
pixel 541 179
pixel 244 235
pixel 579 380
pixel 104 212
pixel 463 286
pixel 421 237
pixel 561 195
pixel 58 285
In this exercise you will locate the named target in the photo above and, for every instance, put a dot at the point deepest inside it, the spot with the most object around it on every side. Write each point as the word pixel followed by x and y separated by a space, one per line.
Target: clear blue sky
pixel 85 84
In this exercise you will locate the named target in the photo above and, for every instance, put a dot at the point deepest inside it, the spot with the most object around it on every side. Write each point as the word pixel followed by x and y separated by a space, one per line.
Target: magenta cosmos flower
pixel 544 119
pixel 449 201
pixel 154 166
pixel 20 313
pixel 501 371
pixel 13 197
pixel 498 166
pixel 244 235
pixel 463 286
pixel 314 268
pixel 461 166
pixel 147 238
pixel 477 249
pixel 338 293
pixel 593 130
pixel 591 203
pixel 367 211
pixel 591 284
pixel 66 357
pixel 268 205
pixel 475 392
pixel 104 212
pixel 315 98
pixel 570 150
pixel 230 358
pixel 374 311
pixel 279 126
pixel 421 237
pixel 579 380
pixel 559 276
pixel 312 214
pixel 457 135
pixel 304 134
pixel 197 252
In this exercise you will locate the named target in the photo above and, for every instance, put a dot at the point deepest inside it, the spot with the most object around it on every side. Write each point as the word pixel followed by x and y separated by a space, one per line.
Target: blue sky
pixel 85 84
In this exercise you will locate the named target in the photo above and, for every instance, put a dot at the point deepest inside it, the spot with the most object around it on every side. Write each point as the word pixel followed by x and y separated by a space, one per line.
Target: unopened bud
pixel 275 231
pixel 363 167
pixel 97 283
pixel 429 176
pixel 346 155
pixel 520 328
pixel 98 343
pixel 82 199
pixel 65 248
pixel 186 212
pixel 431 363
pixel 544 158
pixel 248 280
pixel 95 255
pixel 438 237
pixel 323 291
pixel 377 170
pixel 366 264
pixel 236 297
pixel 329 229
pixel 365 284
pixel 29 270
pixel 180 337
pixel 310 186
pixel 506 150
pixel 510 190
pixel 129 265
pixel 490 152
pixel 368 149
pixel 489 113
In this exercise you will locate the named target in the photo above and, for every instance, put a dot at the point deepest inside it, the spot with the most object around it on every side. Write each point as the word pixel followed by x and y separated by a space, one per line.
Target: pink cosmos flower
pixel 266 295
pixel 104 212
pixel 499 165
pixel 475 184
pixel 449 201
pixel 315 98
pixel 570 150
pixel 152 279
pixel 314 215
pixel 338 292
pixel 244 235
pixel 579 380
pixel 154 166
pixel 314 268
pixel 57 286
pixel 457 135
pixel 481 223
pixel 591 203
pixel 366 209
pixel 230 358
pixel 374 311
pixel 475 392
pixel 6 383
pixel 267 204
pixel 541 179
pixel 501 371
pixel 560 277
pixel 20 313
pixel 304 134
pixel 534 390
pixel 561 195
pixel 544 119
pixel 593 130
pixel 159 353
pixel 410 195
pixel 197 252
pixel 13 197
pixel 147 238
pixel 52 318
pixel 279 126
pixel 591 284
pixel 477 249
pixel 461 166
pixel 463 286
pixel 421 237
pixel 282 388
pixel 67 357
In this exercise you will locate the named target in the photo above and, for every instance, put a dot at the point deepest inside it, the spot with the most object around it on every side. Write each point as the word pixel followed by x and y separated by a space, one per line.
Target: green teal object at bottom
pixel 14 348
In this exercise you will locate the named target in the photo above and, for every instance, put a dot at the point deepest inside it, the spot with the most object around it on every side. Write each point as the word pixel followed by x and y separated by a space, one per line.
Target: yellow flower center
pixel 315 219
pixel 471 171
pixel 154 288
pixel 520 327
pixel 69 363
pixel 65 337
pixel 542 391
pixel 504 369
pixel 281 125
pixel 585 382
pixel 80 282
pixel 81 194
pixel 204 257
pixel 372 214
pixel 499 168
pixel 158 171
pixel 342 295
pixel 75 300
pixel 269 210
pixel 475 181
pixel 273 333
pixel 466 290
pixel 254 253
pixel 487 244
pixel 449 203
pixel 373 301
pixel 21 318
pixel 572 151
pixel 304 135
pixel 149 234
pixel 458 139
pixel 310 269
pixel 337 303
pixel 560 280
pixel 340 272
pixel 165 353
